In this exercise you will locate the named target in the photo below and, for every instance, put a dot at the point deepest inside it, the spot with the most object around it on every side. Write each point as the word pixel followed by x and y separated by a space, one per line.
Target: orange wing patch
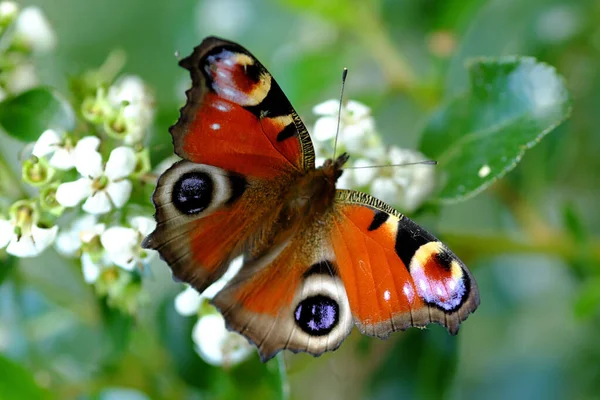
pixel 397 274
pixel 237 117
pixel 378 283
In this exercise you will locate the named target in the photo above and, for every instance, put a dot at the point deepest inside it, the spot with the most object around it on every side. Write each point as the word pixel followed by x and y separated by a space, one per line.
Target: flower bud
pixel 48 200
pixel 37 172
pixel 96 109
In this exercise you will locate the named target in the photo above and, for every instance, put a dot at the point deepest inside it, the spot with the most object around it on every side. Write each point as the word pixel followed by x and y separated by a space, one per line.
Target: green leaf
pixel 28 114
pixel 17 382
pixel 7 265
pixel 588 301
pixel 512 103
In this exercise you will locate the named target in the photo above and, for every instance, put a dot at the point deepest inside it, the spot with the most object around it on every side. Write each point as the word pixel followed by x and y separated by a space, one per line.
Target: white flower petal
pixel 385 189
pixel 129 88
pixel 345 181
pixel 6 232
pixel 23 247
pixel 86 144
pixel 121 163
pixel 62 159
pixel 188 302
pixel 88 162
pixel 144 225
pixel 216 345
pixel 90 270
pixel 69 194
pixel 329 107
pixel 119 192
pixel 363 176
pixel 358 110
pixel 325 128
pixel 21 78
pixel 67 243
pixel 97 203
pixel 43 237
pixel 8 10
pixel 34 28
pixel 47 143
pixel 120 244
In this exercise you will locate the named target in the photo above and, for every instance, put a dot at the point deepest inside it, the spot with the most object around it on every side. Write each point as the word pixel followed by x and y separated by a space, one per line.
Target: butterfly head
pixel 333 168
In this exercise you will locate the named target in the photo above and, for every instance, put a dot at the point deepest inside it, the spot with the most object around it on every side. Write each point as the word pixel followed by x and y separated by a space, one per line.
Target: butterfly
pixel 317 260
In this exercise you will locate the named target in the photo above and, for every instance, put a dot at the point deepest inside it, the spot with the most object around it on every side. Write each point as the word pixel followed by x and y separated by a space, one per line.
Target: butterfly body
pixel 317 260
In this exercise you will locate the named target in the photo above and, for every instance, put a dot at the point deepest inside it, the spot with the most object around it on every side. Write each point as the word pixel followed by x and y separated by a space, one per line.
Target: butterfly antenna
pixel 337 132
pixel 423 162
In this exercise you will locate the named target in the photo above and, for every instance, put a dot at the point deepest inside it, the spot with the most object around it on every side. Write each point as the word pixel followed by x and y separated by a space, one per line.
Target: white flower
pixel 8 10
pixel 123 245
pixel 101 187
pixel 33 28
pixel 82 235
pixel 22 234
pixel 91 266
pixel 139 108
pixel 357 126
pixel 21 78
pixel 188 302
pixel 405 186
pixel 61 148
pixel 83 228
pixel 216 345
pixel 360 174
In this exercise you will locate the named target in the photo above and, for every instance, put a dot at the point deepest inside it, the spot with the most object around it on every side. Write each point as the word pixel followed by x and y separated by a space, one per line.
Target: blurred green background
pixel 532 240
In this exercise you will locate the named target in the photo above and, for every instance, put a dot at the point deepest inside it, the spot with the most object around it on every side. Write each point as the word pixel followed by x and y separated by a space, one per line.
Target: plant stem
pixel 396 69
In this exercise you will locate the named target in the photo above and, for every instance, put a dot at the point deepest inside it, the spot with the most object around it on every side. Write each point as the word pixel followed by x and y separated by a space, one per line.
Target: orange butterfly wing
pixel 396 274
pixel 242 145
pixel 237 117
pixel 362 263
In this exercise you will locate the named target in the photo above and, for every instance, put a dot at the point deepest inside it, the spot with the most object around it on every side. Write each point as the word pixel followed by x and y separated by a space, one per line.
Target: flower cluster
pixel 24 32
pixel 213 342
pixel 374 167
pixel 87 193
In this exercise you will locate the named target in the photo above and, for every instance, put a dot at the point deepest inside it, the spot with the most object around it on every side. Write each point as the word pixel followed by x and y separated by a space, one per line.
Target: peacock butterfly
pixel 317 260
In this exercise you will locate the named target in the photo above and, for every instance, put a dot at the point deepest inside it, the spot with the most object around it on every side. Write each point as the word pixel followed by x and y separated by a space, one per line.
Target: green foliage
pixel 17 382
pixel 28 114
pixel 512 103
pixel 421 365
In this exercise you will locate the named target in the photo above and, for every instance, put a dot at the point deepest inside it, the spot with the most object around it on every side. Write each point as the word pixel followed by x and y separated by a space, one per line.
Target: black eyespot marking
pixel 324 267
pixel 287 132
pixel 238 186
pixel 317 315
pixel 378 220
pixel 252 72
pixel 409 238
pixel 193 192
pixel 444 259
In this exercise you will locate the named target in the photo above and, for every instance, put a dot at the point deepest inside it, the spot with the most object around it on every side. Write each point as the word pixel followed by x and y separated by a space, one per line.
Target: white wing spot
pixel 423 285
pixel 484 171
pixel 451 284
pixel 386 295
pixel 408 292
pixel 215 126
